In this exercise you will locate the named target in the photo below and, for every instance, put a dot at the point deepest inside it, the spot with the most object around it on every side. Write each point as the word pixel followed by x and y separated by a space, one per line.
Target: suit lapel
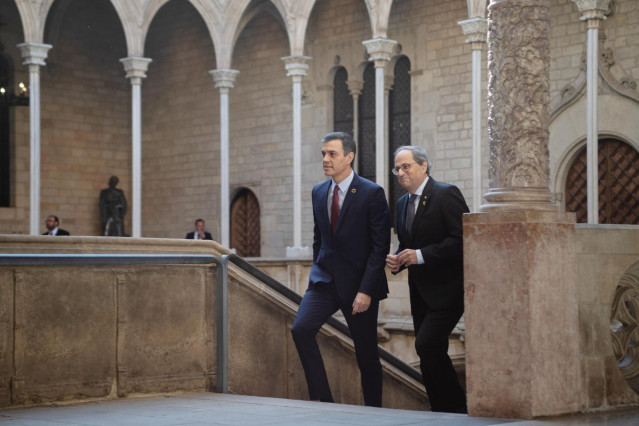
pixel 401 216
pixel 423 203
pixel 323 205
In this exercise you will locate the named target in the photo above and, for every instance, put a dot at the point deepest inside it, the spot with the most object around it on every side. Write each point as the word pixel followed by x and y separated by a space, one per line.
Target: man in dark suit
pixel 53 224
pixel 351 239
pixel 199 233
pixel 429 228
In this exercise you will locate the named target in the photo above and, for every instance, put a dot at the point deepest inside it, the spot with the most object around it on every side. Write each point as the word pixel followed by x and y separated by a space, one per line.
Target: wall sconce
pixel 8 99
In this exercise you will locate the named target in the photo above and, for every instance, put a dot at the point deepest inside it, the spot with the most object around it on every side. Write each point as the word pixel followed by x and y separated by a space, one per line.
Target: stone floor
pixel 222 409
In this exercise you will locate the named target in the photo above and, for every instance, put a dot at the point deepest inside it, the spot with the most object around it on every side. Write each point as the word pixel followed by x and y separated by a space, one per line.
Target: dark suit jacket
pixel 437 232
pixel 354 258
pixel 190 235
pixel 61 233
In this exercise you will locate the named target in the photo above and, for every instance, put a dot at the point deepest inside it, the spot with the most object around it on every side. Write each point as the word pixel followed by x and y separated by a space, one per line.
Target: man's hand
pixel 407 257
pixel 361 303
pixel 393 263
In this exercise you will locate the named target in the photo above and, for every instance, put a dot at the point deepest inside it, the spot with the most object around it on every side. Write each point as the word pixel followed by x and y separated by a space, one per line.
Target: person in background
pixel 53 227
pixel 199 233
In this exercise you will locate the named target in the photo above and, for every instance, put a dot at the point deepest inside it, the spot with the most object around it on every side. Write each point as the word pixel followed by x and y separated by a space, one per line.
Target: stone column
pixel 296 67
pixel 224 79
pixel 136 68
pixel 592 12
pixel 475 29
pixel 380 51
pixel 520 289
pixel 34 55
pixel 355 88
pixel 518 106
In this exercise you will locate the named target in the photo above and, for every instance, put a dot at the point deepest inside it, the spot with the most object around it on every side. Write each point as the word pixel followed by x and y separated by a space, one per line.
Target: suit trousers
pixel 319 303
pixel 432 329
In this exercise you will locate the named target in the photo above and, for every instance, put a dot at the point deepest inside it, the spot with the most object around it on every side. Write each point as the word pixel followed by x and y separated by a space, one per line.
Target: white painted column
pixel 355 88
pixel 380 51
pixel 475 29
pixel 296 67
pixel 136 68
pixel 34 55
pixel 592 12
pixel 224 79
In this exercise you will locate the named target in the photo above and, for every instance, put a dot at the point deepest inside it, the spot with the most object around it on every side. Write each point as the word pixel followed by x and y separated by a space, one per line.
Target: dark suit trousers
pixel 319 303
pixel 432 329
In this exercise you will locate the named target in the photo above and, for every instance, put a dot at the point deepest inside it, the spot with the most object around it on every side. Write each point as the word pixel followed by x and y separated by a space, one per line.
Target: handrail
pixel 332 321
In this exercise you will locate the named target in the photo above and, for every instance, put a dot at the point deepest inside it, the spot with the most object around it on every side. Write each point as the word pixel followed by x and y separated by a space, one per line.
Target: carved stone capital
pixel 355 87
pixel 224 77
pixel 34 53
pixel 136 66
pixel 475 29
pixel 296 66
pixel 592 9
pixel 380 50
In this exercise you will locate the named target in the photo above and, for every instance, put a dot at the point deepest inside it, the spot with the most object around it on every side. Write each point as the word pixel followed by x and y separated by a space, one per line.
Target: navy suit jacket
pixel 354 257
pixel 437 233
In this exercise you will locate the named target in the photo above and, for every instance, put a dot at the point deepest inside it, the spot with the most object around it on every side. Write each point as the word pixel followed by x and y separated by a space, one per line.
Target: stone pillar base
pixel 522 338
pixel 513 199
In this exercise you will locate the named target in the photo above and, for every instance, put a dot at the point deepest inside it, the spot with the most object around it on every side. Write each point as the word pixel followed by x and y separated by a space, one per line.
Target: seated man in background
pixel 199 233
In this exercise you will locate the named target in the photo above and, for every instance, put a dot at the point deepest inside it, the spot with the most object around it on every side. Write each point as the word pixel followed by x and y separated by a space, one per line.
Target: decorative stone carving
pixel 592 9
pixel 34 53
pixel 624 326
pixel 475 29
pixel 519 100
pixel 135 67
pixel 380 50
pixel 224 77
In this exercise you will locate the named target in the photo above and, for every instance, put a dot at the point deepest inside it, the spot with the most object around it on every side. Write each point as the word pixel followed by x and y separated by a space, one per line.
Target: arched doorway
pixel 245 224
pixel 618 184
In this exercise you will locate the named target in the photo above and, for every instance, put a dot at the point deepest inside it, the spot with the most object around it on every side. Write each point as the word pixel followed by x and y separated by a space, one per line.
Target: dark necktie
pixel 335 208
pixel 410 212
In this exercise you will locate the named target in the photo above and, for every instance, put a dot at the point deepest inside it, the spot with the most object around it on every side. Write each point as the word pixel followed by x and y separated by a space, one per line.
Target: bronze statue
pixel 112 209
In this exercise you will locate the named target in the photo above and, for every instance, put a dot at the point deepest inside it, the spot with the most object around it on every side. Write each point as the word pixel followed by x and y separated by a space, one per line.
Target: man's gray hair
pixel 419 155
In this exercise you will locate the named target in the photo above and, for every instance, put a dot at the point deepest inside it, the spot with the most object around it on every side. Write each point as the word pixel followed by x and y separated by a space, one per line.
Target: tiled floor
pixel 220 409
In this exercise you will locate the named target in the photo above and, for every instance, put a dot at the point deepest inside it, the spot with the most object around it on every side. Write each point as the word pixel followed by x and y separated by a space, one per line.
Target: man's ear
pixel 350 157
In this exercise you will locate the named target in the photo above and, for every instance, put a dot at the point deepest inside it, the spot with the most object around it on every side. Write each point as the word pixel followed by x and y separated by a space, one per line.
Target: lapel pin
pixel 354 190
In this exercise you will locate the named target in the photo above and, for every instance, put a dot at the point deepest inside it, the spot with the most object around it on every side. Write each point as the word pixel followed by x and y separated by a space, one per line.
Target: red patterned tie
pixel 335 208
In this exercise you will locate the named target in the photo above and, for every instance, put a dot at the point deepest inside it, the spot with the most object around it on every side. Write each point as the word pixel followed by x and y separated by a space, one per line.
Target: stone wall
pixel 78 332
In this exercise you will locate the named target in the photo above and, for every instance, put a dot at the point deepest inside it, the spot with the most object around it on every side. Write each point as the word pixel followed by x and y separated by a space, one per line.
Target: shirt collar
pixel 420 190
pixel 345 184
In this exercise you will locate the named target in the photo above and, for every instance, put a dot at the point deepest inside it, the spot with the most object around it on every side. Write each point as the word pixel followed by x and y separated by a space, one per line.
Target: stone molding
pixel 34 53
pixel 135 66
pixel 475 28
pixel 625 85
pixel 380 50
pixel 355 87
pixel 224 77
pixel 592 9
pixel 296 66
pixel 519 99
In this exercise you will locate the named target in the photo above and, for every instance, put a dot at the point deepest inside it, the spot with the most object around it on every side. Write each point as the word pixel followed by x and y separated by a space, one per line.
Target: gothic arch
pixel 617 119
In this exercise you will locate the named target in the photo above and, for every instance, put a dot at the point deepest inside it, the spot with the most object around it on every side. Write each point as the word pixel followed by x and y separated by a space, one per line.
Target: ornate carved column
pixel 224 79
pixel 34 55
pixel 380 51
pixel 518 105
pixel 136 68
pixel 475 29
pixel 355 88
pixel 520 277
pixel 592 12
pixel 296 67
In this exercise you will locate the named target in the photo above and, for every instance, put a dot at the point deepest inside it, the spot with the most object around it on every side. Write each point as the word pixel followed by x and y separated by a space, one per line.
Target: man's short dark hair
pixel 55 218
pixel 348 143
pixel 198 220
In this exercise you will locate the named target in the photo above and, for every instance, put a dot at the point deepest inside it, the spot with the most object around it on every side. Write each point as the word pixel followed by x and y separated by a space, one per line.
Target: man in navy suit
pixel 351 239
pixel 429 228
